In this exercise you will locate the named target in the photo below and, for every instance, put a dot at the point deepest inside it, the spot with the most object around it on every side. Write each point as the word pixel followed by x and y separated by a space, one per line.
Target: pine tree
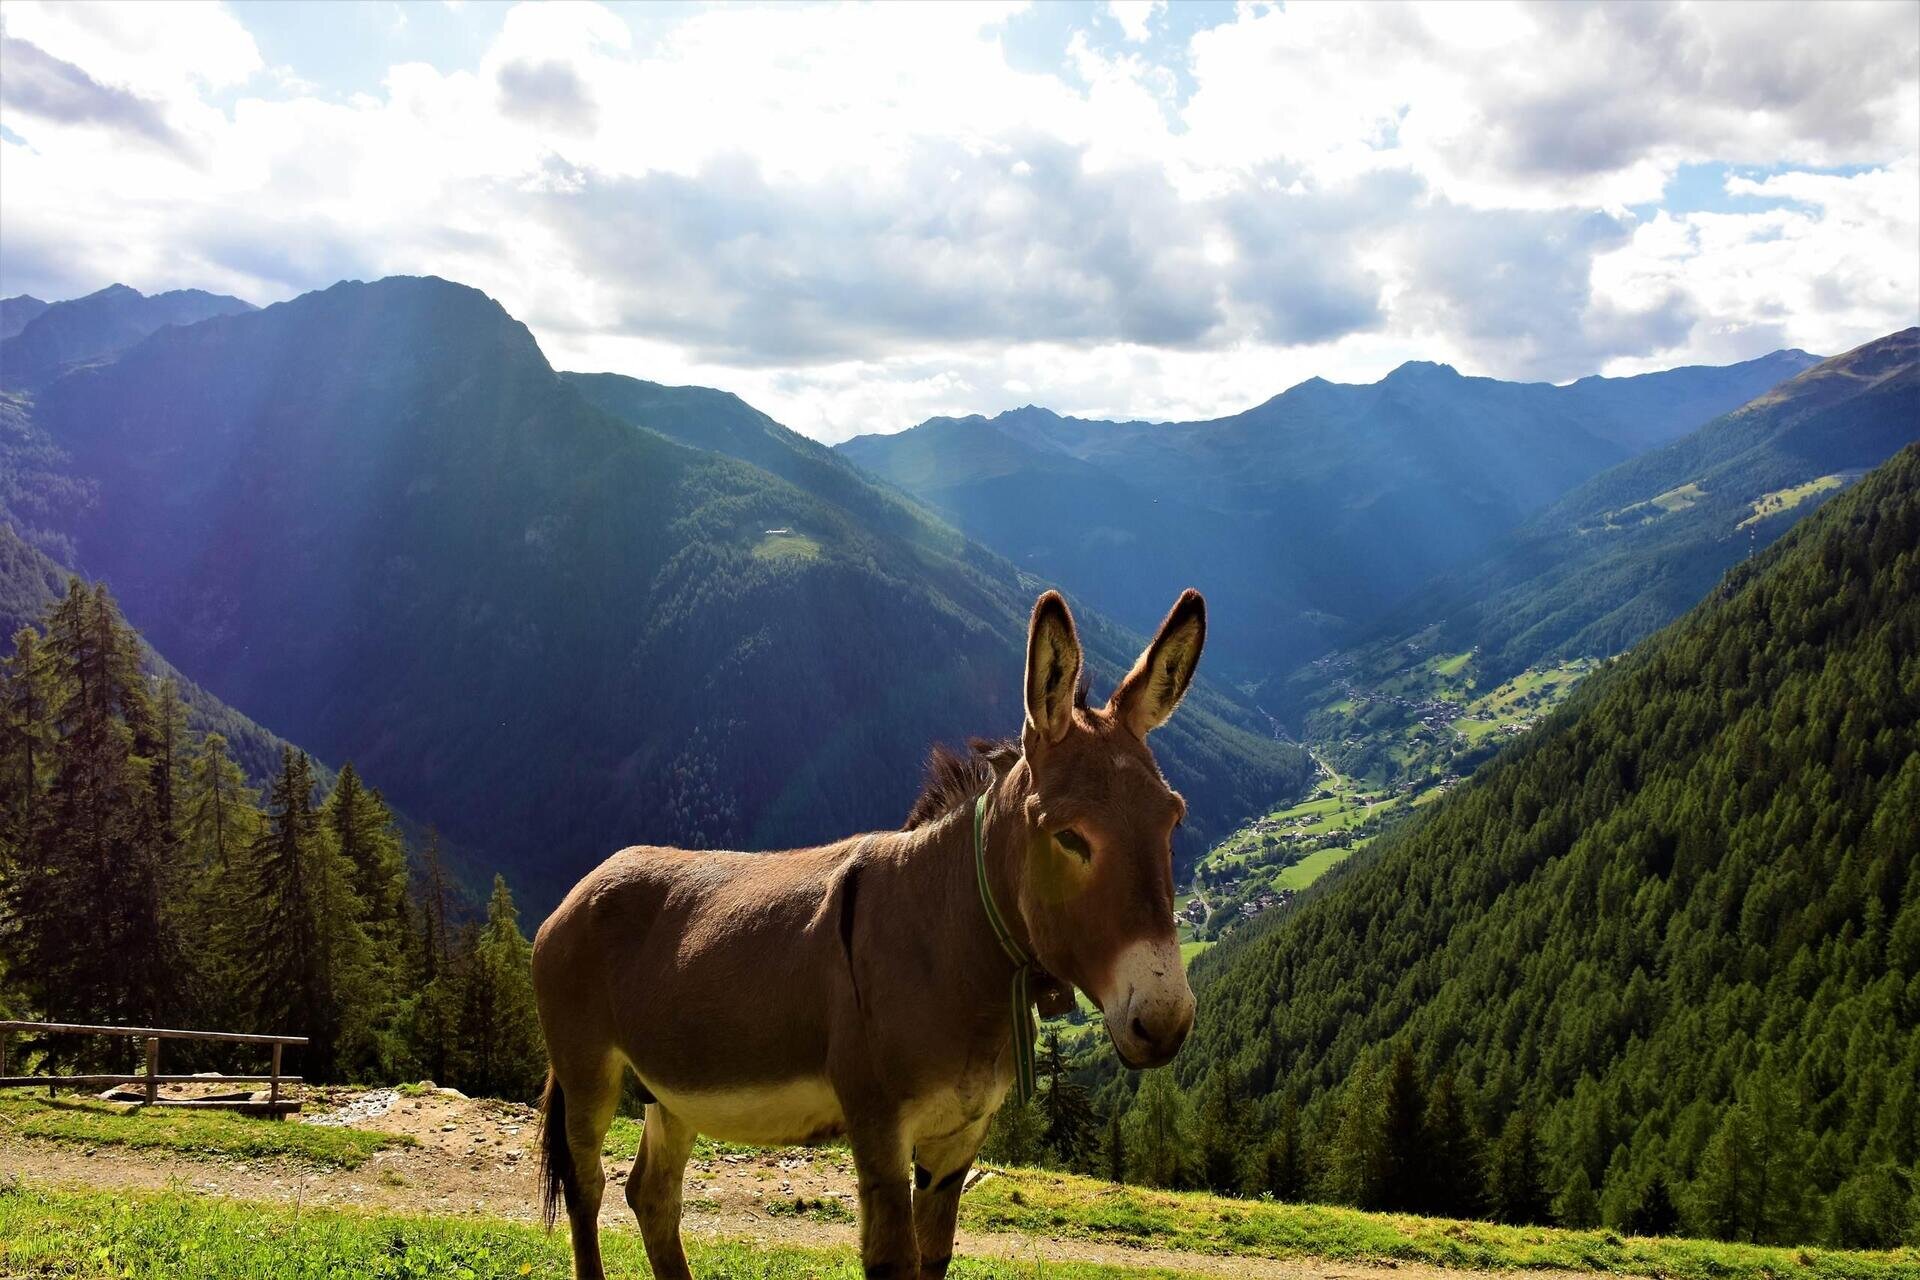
pixel 1283 1164
pixel 86 899
pixel 1158 1131
pixel 1402 1183
pixel 26 732
pixel 1516 1174
pixel 361 829
pixel 1017 1132
pixel 221 821
pixel 161 981
pixel 435 1009
pixel 1656 1214
pixel 1357 1156
pixel 1723 1198
pixel 1780 1198
pixel 501 1053
pixel 1071 1124
pixel 1577 1206
pixel 307 953
pixel 1454 1154
pixel 1114 1150
pixel 1220 1132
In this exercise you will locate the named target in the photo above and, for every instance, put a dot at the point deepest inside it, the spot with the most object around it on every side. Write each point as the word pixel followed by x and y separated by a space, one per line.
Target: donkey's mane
pixel 953 778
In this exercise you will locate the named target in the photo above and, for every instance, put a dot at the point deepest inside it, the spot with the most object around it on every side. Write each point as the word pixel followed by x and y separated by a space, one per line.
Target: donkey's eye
pixel 1075 844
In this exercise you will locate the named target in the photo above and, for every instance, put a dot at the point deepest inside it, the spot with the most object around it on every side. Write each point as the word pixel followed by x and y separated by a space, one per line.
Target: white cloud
pixel 856 216
pixel 1135 16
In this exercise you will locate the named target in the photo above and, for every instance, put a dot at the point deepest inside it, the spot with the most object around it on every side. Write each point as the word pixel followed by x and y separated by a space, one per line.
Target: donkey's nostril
pixel 1140 1029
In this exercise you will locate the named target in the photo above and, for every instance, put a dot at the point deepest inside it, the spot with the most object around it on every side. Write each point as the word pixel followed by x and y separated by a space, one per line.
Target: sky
pixel 859 216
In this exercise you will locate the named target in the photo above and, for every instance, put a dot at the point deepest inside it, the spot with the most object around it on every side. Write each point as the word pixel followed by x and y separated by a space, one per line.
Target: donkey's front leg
pixel 880 1159
pixel 939 1175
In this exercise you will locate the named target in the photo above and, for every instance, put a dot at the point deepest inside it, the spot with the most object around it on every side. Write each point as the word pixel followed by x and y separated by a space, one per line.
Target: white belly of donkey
pixel 785 1114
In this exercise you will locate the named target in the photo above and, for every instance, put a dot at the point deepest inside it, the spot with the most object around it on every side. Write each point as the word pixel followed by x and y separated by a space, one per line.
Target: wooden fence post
pixel 153 1069
pixel 273 1087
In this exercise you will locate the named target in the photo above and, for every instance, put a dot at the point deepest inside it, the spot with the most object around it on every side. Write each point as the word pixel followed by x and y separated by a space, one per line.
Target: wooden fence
pixel 274 1105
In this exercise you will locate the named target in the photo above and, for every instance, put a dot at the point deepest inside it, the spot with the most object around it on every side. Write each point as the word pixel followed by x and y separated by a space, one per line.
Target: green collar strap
pixel 1020 999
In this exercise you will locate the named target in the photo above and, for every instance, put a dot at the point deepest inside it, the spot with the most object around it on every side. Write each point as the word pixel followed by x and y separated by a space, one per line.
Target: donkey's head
pixel 1097 894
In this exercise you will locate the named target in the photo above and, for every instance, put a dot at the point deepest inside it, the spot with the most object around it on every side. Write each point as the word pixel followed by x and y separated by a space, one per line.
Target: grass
pixel 786 548
pixel 191 1133
pixel 1045 1203
pixel 1772 504
pixel 1310 868
pixel 177 1236
pixel 1678 498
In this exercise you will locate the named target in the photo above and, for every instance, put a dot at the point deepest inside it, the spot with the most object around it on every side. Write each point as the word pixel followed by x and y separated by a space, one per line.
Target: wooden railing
pixel 151 1078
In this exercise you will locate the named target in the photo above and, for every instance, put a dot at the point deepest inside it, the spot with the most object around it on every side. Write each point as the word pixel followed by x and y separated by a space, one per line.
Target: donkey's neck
pixel 943 869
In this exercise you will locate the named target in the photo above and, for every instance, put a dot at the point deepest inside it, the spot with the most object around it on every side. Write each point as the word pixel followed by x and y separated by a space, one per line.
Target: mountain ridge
pixel 1311 513
pixel 99 325
pixel 376 518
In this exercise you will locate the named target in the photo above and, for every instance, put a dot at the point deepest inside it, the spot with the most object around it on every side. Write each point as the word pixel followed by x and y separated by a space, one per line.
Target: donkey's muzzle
pixel 1151 1019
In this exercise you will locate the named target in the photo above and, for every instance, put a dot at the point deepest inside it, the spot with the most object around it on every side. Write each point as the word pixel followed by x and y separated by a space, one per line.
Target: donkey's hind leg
pixel 653 1190
pixel 590 1099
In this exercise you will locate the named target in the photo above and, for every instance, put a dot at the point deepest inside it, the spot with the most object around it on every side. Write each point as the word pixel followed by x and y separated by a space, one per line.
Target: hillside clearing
pixel 1772 504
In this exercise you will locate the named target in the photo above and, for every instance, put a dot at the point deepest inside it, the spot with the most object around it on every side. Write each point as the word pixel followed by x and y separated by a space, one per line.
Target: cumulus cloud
pixel 858 216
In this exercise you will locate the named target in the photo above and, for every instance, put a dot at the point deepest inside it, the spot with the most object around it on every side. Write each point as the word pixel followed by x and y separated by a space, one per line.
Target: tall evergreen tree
pixel 1159 1131
pixel 1283 1163
pixel 1454 1155
pixel 1516 1172
pixel 26 731
pixel 86 900
pixel 220 821
pixel 307 953
pixel 1402 1183
pixel 1577 1206
pixel 1072 1127
pixel 1220 1133
pixel 1114 1149
pixel 501 1053
pixel 434 1014
pixel 1356 1165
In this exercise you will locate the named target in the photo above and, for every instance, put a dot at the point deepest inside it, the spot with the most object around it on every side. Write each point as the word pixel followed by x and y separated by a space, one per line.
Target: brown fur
pixel 856 986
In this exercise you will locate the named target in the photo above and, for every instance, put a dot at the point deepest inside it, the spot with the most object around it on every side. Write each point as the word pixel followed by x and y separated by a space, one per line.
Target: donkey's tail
pixel 556 1157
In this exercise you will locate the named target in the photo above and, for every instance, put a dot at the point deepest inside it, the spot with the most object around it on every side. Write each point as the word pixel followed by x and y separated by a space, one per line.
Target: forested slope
pixel 1671 939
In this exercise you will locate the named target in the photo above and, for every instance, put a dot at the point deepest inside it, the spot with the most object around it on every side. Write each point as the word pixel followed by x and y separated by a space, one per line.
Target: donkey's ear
pixel 1159 680
pixel 1053 667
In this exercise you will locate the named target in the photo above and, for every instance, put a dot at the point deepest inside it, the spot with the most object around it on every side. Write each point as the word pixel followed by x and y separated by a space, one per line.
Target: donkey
pixel 876 987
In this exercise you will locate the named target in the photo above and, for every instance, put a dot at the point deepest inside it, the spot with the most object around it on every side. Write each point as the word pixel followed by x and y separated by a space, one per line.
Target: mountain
pixel 1308 515
pixel 1629 550
pixel 1678 924
pixel 97 326
pixel 31 583
pixel 16 311
pixel 375 518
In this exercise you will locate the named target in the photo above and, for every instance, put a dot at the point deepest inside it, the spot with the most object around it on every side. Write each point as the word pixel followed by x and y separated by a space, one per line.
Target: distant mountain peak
pixel 1421 369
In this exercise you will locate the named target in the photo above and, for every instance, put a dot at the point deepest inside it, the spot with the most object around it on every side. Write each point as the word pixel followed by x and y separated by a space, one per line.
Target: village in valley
pixel 1398 731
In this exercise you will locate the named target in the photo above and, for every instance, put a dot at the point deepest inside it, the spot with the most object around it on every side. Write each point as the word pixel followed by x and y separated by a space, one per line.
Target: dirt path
pixel 477 1158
